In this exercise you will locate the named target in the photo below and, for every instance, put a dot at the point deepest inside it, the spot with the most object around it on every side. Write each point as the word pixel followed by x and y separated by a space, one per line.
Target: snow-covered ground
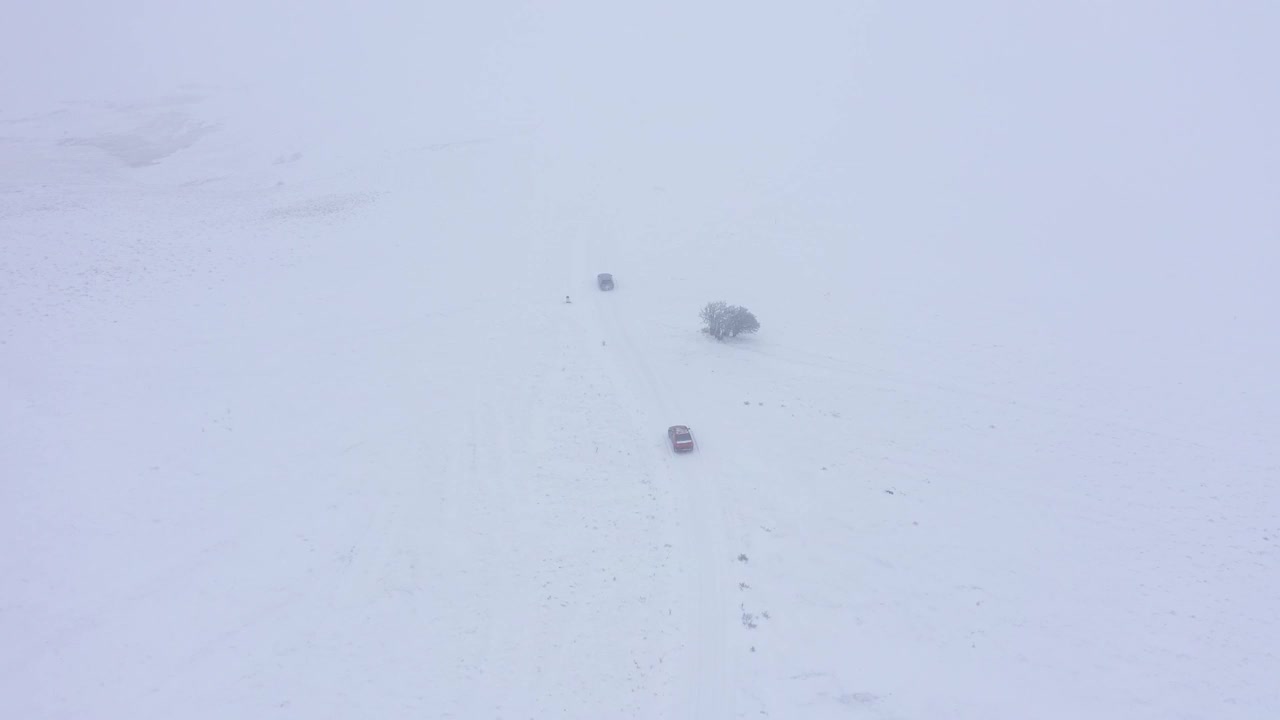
pixel 295 421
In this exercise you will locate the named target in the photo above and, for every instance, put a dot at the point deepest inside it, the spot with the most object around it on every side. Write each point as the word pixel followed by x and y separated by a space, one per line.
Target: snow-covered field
pixel 295 421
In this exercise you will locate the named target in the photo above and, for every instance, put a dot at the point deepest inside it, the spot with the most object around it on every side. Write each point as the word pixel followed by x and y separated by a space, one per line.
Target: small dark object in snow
pixel 742 557
pixel 889 491
pixel 567 300
pixel 681 438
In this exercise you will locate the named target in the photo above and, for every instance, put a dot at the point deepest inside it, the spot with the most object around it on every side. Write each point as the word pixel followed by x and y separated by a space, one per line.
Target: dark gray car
pixel 605 281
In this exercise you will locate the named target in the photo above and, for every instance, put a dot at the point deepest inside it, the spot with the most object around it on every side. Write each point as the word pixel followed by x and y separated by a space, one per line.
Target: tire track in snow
pixel 701 529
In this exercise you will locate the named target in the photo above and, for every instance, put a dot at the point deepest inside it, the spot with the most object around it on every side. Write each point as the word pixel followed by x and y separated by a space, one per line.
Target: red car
pixel 680 437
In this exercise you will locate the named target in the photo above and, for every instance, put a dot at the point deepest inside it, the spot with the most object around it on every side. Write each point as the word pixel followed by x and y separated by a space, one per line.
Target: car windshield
pixel 682 437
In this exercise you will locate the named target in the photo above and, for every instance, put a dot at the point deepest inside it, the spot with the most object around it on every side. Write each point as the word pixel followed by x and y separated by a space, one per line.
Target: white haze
pixel 295 423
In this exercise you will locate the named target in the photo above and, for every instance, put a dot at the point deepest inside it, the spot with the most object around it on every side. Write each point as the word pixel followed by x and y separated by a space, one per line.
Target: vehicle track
pixel 698 527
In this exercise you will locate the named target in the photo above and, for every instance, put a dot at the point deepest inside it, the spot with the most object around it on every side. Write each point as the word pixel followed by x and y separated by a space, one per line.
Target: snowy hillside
pixel 296 423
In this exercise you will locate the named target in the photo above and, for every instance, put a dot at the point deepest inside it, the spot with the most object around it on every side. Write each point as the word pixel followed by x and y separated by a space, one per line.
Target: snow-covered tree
pixel 740 320
pixel 723 320
pixel 713 316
